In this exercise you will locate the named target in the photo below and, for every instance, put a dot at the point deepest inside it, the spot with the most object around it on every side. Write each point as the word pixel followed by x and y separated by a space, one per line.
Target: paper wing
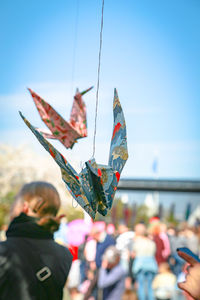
pixel 99 175
pixel 60 129
pixel 46 133
pixel 118 148
pixel 78 114
pixel 104 179
pixel 69 175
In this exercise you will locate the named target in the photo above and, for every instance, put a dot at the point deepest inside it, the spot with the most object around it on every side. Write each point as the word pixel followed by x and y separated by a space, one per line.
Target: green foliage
pixel 170 219
pixel 142 214
pixel 5 204
pixel 108 218
pixel 120 207
pixel 72 213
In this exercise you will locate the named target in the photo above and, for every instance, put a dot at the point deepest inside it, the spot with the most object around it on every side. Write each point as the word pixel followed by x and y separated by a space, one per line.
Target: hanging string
pixel 75 46
pixel 74 203
pixel 98 78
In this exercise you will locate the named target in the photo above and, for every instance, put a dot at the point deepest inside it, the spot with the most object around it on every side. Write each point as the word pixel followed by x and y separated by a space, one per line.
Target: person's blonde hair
pixel 129 295
pixel 111 254
pixel 44 201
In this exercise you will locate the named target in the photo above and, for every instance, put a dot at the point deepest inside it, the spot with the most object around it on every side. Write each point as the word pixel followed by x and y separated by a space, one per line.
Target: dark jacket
pixel 112 282
pixel 101 248
pixel 27 257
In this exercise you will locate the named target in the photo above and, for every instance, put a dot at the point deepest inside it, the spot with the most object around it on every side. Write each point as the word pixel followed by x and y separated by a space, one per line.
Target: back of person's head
pixel 39 199
pixel 164 268
pixel 140 229
pixel 122 228
pixel 171 231
pixel 112 255
pixel 98 229
pixel 42 197
pixel 129 295
pixel 110 229
pixel 155 229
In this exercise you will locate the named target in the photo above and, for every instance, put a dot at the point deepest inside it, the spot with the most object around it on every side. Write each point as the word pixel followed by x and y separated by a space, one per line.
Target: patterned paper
pixel 66 132
pixel 95 186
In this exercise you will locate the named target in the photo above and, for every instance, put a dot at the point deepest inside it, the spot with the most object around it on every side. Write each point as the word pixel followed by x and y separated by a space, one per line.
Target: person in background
pixel 111 275
pixel 110 229
pixel 176 240
pixel 192 239
pixel 124 244
pixel 144 264
pixel 103 240
pixel 164 237
pixel 164 283
pixel 75 294
pixel 100 241
pixel 88 286
pixel 33 266
pixel 155 230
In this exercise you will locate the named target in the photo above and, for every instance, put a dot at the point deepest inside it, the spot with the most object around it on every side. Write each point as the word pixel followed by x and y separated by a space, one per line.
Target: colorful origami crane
pixel 66 132
pixel 95 186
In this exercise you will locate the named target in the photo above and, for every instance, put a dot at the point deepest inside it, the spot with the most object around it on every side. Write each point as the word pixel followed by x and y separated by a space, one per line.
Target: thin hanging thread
pixel 74 204
pixel 75 45
pixel 98 79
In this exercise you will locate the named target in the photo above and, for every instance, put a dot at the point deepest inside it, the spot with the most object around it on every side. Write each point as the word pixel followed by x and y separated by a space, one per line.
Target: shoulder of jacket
pixel 5 261
pixel 65 251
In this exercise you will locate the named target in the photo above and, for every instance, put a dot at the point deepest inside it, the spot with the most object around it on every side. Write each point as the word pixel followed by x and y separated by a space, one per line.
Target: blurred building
pixel 180 197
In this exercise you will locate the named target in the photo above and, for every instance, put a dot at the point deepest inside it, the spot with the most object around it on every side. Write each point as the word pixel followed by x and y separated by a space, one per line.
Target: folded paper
pixel 95 186
pixel 66 132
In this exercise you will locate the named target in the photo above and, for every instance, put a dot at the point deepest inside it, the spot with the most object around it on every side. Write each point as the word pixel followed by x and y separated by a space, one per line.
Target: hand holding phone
pixel 188 255
pixel 191 285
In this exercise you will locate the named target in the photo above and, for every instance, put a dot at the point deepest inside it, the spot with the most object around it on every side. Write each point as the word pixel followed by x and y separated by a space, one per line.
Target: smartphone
pixel 189 252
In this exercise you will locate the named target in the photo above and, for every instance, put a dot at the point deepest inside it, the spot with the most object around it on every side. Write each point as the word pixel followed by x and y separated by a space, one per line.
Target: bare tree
pixel 19 165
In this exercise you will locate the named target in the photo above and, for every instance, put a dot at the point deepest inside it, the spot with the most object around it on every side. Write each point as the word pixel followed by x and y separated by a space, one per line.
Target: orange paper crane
pixel 66 132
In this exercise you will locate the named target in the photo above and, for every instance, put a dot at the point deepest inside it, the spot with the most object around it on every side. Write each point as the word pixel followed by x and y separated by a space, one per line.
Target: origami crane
pixel 95 186
pixel 66 132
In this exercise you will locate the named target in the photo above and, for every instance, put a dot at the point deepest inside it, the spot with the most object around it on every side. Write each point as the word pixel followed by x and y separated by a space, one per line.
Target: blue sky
pixel 150 53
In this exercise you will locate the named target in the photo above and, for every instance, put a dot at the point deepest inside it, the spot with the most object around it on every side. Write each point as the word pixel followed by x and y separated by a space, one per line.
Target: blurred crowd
pixel 114 262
